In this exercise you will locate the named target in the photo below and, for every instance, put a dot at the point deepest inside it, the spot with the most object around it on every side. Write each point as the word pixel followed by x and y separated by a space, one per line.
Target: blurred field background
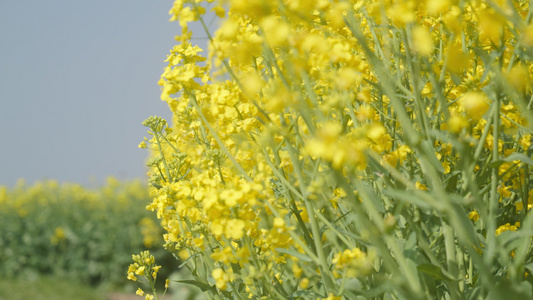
pixel 64 241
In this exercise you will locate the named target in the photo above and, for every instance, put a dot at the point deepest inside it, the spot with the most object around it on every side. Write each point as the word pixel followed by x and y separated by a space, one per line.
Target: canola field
pixel 68 231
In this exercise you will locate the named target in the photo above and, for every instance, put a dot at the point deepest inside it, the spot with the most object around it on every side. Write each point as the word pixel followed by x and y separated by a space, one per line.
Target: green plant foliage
pixel 47 288
pixel 69 231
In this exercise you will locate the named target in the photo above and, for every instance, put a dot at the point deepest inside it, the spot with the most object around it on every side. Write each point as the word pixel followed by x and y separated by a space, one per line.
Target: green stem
pixel 494 195
pixel 332 228
pixel 317 237
pixel 486 130
pixel 451 258
pixel 422 118
pixel 167 170
pixel 295 237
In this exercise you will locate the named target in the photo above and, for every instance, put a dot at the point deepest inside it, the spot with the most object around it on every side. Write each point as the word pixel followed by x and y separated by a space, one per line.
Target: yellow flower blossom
pixel 507 227
pixel 473 215
pixel 422 41
pixel 457 123
pixel 475 104
pixel 421 186
pixel 332 297
pixel 235 229
pixel 221 278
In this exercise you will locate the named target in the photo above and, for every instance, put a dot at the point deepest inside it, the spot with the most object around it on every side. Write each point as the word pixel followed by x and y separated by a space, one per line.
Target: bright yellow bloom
pixel 507 227
pixel 332 297
pixel 422 41
pixel 304 283
pixel 421 186
pixel 457 123
pixel 473 215
pixel 475 104
pixel 221 278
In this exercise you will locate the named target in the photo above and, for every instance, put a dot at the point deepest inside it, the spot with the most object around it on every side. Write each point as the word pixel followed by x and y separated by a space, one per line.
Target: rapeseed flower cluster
pixel 356 148
pixel 144 266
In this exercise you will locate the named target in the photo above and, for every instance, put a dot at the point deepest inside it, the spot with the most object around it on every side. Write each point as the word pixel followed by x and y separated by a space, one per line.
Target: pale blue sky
pixel 77 78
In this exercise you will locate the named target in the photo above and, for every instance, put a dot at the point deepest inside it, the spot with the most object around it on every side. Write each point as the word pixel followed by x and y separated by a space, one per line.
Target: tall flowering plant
pixel 349 149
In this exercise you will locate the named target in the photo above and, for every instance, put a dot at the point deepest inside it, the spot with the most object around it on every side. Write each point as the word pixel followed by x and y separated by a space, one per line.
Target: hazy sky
pixel 77 78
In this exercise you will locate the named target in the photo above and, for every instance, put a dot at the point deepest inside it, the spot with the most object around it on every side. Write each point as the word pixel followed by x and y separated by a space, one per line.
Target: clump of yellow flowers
pixel 338 149
pixel 145 267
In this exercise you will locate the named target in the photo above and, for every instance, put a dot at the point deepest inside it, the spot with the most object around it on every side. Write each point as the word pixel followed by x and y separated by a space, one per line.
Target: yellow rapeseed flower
pixel 475 104
pixel 422 41
pixel 473 215
pixel 221 278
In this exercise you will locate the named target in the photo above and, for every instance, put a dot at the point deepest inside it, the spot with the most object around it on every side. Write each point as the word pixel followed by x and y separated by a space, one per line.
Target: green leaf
pixel 432 270
pixel 185 262
pixel 519 156
pixel 355 289
pixel 475 293
pixel 451 185
pixel 366 193
pixel 529 266
pixel 375 165
pixel 496 163
pixel 506 289
pixel 296 254
pixel 406 196
pixel 410 243
pixel 463 226
pixel 307 294
pixel 429 152
pixel 203 286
